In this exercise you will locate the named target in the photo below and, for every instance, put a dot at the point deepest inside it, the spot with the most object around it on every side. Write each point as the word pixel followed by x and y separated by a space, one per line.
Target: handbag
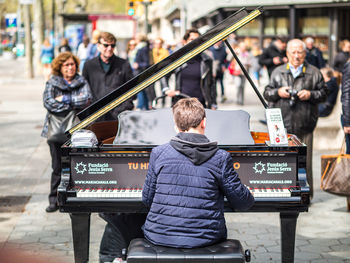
pixel 58 125
pixel 233 70
pixel 335 171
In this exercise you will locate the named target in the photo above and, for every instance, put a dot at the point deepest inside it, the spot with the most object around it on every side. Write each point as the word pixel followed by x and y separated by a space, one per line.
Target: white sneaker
pixel 118 260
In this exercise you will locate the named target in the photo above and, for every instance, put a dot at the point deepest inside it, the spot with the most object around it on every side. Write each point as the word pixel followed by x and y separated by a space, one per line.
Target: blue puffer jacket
pixel 185 187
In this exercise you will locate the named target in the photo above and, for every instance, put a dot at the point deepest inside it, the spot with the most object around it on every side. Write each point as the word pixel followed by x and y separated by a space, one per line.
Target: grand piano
pixel 109 177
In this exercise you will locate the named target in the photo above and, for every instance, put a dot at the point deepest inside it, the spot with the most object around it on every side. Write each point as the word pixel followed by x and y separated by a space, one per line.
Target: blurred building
pixel 326 21
pixel 77 24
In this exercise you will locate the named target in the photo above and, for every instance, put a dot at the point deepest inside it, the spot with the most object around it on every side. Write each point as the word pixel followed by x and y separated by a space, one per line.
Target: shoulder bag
pixel 335 171
pixel 58 125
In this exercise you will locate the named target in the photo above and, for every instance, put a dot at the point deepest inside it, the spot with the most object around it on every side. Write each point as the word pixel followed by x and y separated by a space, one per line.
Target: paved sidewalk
pixel 323 234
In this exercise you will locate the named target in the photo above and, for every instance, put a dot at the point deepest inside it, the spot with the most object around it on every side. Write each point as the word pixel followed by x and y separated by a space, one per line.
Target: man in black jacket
pixel 107 72
pixel 313 54
pixel 297 87
pixel 274 55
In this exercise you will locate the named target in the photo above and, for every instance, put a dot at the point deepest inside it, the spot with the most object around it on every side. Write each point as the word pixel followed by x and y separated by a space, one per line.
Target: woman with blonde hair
pixel 92 48
pixel 64 47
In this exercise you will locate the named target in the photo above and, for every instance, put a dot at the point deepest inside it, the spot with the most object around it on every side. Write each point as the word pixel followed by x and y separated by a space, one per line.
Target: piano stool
pixel 229 251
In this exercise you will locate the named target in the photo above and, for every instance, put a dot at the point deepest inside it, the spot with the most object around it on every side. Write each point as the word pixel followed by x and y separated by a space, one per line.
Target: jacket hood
pixel 194 146
pixel 60 83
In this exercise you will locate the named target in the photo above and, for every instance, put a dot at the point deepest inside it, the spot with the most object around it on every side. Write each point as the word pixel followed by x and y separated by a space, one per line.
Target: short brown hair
pixel 188 113
pixel 108 37
pixel 59 61
pixel 188 33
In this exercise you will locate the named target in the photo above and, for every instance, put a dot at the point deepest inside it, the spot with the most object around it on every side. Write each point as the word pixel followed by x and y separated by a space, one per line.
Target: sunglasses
pixel 107 45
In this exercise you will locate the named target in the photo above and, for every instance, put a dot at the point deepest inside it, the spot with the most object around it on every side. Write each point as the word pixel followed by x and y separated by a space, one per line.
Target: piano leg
pixel 81 236
pixel 288 225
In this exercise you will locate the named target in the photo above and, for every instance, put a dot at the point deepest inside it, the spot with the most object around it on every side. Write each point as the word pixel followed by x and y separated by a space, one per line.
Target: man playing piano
pixel 186 183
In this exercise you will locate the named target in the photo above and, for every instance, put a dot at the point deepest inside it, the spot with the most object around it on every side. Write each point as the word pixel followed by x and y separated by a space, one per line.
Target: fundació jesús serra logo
pixel 272 168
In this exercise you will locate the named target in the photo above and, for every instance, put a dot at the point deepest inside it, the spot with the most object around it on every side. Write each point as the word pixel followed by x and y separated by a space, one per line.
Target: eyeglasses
pixel 68 64
pixel 107 45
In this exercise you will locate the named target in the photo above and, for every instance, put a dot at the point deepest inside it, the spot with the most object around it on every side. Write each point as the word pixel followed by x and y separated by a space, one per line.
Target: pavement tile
pixel 337 256
pixel 345 241
pixel 266 257
pixel 262 242
pixel 321 241
pixel 323 248
pixel 50 240
pixel 307 256
pixel 66 246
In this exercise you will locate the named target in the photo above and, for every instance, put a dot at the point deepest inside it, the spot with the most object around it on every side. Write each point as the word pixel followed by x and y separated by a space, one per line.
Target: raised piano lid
pixel 157 127
pixel 159 70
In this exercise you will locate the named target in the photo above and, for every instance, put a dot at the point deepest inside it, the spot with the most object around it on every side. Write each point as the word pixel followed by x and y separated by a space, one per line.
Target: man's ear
pixel 204 123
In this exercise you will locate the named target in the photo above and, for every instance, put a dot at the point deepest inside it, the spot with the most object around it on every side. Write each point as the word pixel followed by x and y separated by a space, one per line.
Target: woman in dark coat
pixel 65 91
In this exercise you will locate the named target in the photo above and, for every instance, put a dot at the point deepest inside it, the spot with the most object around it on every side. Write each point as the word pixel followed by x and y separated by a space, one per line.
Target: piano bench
pixel 229 251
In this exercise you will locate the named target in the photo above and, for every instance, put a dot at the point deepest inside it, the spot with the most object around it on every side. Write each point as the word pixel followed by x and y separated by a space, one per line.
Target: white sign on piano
pixel 277 132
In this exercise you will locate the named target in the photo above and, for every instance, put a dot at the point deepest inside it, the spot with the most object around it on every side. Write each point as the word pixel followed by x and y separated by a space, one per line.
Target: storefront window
pixel 251 29
pixel 314 25
pixel 276 26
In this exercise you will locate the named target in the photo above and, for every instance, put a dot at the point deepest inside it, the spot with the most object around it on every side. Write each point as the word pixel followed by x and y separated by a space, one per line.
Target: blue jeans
pixel 142 100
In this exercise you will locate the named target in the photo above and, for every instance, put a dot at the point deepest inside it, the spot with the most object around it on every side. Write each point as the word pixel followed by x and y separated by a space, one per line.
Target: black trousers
pixel 119 231
pixel 55 151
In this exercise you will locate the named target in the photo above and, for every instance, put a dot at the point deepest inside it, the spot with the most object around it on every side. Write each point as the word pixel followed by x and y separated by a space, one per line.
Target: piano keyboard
pixel 110 193
pixel 137 193
pixel 270 192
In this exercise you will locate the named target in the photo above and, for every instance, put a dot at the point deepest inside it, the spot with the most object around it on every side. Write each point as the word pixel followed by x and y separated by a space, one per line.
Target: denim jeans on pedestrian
pixel 142 100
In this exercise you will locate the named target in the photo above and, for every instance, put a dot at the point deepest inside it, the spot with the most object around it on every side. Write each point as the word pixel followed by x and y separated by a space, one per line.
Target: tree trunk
pixel 60 22
pixel 28 42
pixel 39 26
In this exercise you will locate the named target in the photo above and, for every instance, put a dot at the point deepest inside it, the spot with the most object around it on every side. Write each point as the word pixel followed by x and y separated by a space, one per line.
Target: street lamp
pixel 146 3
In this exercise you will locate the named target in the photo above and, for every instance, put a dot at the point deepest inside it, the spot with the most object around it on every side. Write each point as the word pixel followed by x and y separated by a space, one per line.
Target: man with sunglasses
pixel 107 72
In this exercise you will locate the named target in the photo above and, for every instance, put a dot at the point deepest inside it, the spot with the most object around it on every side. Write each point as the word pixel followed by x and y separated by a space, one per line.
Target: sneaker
pixel 51 208
pixel 223 99
pixel 118 260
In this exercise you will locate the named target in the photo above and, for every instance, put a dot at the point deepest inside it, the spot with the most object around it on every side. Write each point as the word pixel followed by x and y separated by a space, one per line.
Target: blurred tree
pixel 97 6
pixel 39 27
pixel 10 6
